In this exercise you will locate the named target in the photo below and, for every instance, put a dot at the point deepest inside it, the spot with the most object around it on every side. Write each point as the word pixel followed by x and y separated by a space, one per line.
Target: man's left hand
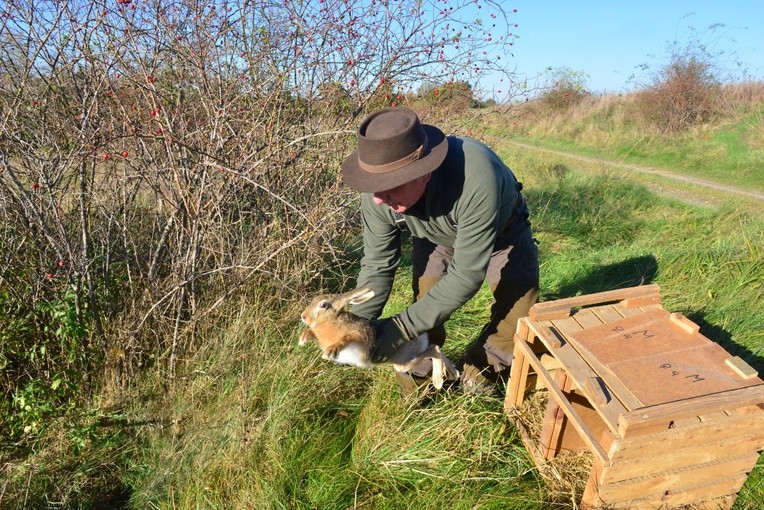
pixel 390 335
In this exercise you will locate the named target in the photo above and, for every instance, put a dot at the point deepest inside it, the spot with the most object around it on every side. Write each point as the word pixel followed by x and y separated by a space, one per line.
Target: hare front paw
pixel 305 337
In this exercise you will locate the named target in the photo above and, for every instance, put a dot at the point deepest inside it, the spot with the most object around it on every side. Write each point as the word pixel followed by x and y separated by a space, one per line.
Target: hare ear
pixel 361 295
pixel 352 297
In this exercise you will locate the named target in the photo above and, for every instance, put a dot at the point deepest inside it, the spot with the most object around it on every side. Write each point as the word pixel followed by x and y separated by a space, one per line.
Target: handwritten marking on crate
pixel 657 357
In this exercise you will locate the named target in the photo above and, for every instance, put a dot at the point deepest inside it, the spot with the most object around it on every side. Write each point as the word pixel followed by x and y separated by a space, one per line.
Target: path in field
pixel 757 196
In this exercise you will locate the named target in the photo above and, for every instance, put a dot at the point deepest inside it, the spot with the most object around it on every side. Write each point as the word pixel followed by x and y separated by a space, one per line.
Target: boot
pixel 410 384
pixel 475 382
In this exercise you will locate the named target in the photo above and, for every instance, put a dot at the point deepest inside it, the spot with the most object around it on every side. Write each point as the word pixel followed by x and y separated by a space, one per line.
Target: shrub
pixel 684 87
pixel 454 96
pixel 170 154
pixel 44 357
pixel 567 89
pixel 684 93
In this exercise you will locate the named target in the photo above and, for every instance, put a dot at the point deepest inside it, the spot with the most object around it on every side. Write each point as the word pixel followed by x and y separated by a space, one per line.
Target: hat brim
pixel 370 182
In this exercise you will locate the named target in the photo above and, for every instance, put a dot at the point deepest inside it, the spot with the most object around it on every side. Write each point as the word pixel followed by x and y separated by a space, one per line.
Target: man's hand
pixel 390 335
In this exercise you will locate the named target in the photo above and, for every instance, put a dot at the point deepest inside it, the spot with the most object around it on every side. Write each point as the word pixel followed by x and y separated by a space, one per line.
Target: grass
pixel 728 151
pixel 254 421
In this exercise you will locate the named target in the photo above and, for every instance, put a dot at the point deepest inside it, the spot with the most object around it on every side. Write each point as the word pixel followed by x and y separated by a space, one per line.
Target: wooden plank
pixel 741 368
pixel 640 301
pixel 570 441
pixel 566 326
pixel 590 498
pixel 626 312
pixel 580 371
pixel 607 313
pixel 613 383
pixel 702 433
pixel 543 334
pixel 655 486
pixel 587 319
pixel 683 322
pixel 549 362
pixel 522 329
pixel 556 394
pixel 650 308
pixel 563 307
pixel 622 392
pixel 725 502
pixel 554 417
pixel 695 496
pixel 658 418
pixel 595 387
pixel 672 460
pixel 551 338
pixel 518 376
pixel 630 336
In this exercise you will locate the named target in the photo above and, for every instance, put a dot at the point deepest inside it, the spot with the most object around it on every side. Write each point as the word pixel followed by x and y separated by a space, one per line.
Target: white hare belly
pixel 356 355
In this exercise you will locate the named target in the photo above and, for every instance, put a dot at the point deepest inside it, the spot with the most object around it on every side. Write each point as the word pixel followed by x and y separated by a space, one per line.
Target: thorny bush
pixel 157 156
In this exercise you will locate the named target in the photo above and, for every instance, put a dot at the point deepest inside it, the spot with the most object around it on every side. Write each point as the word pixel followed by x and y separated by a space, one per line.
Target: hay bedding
pixel 566 474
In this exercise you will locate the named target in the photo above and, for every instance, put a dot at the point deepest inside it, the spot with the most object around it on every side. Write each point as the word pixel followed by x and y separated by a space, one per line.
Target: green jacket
pixel 472 204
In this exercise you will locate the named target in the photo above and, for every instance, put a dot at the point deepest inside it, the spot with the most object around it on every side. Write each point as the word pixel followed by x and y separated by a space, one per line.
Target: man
pixel 469 223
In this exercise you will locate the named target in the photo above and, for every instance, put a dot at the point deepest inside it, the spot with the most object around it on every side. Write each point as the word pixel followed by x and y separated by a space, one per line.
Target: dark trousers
pixel 513 276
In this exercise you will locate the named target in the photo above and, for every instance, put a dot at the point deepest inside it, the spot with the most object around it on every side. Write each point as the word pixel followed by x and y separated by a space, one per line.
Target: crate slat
pixel 699 434
pixel 563 307
pixel 677 458
pixel 663 417
pixel 656 485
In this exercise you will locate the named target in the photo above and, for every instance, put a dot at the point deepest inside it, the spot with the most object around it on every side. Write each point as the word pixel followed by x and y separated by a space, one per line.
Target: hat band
pixel 394 165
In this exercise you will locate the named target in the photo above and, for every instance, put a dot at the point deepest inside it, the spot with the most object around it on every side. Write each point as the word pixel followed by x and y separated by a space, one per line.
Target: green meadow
pixel 254 421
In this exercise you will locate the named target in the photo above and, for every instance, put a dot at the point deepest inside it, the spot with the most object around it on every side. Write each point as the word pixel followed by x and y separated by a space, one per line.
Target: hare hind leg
pixel 442 369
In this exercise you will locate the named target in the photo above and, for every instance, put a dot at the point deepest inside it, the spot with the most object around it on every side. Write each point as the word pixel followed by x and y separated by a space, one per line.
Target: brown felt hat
pixel 394 147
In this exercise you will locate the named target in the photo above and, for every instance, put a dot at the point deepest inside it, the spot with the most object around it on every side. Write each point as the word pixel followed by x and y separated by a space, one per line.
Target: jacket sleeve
pixel 381 256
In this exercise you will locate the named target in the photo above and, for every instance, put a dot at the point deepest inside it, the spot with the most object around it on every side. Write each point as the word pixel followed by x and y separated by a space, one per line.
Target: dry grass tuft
pixel 566 474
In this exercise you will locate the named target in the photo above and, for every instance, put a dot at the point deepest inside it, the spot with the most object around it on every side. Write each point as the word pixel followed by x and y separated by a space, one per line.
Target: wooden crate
pixel 670 418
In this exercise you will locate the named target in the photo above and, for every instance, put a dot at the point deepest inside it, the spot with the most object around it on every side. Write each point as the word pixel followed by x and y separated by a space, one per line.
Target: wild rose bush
pixel 157 155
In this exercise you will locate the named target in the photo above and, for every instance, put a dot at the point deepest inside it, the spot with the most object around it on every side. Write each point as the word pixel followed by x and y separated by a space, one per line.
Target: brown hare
pixel 347 338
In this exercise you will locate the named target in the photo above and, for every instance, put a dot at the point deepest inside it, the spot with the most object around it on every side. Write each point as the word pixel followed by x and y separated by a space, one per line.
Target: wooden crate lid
pixel 656 357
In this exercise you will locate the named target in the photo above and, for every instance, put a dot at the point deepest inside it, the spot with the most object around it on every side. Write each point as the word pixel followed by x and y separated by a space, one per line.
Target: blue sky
pixel 607 40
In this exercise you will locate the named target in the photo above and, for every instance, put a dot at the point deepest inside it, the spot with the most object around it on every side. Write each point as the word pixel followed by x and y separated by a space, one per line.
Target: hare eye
pixel 324 305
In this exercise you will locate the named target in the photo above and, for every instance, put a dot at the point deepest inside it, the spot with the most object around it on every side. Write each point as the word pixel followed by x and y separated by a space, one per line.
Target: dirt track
pixel 684 195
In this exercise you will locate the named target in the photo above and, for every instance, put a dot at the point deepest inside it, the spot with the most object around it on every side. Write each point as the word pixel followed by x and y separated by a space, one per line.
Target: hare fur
pixel 347 339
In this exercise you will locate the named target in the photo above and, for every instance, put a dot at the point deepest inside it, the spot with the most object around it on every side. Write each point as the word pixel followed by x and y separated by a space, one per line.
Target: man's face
pixel 404 196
